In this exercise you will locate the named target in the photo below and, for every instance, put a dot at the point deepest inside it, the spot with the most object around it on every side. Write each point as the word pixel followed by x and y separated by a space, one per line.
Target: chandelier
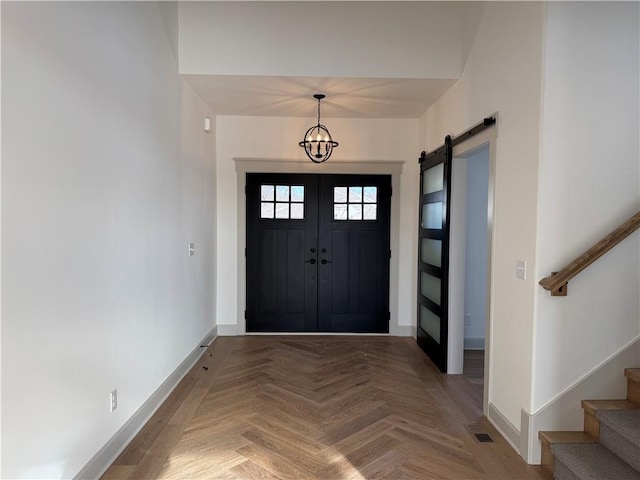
pixel 317 142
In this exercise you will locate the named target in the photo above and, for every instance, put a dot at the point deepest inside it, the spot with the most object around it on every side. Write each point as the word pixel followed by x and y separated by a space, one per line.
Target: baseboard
pixel 504 426
pixel 102 460
pixel 227 330
pixel 474 343
pixel 407 331
pixel 525 434
pixel 208 339
pixel 563 412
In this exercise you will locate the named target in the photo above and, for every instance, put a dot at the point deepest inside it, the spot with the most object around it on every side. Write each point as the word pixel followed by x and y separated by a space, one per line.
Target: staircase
pixel 609 446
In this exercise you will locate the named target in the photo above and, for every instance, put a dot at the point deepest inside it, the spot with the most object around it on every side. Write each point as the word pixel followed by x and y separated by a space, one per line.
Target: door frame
pixel 256 165
pixel 456 329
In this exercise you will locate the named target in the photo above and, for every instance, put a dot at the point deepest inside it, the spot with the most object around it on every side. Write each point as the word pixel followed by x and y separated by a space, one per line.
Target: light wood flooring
pixel 302 407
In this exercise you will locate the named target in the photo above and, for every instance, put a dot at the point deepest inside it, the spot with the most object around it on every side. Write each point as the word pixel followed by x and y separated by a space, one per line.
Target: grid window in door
pixel 355 203
pixel 282 202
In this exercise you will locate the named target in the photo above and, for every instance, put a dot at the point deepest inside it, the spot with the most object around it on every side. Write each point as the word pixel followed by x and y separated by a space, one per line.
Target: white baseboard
pixel 407 331
pixel 504 426
pixel 474 343
pixel 102 460
pixel 227 330
pixel 563 412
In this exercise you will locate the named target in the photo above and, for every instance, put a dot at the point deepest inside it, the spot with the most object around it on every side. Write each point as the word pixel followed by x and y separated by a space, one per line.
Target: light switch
pixel 192 249
pixel 521 269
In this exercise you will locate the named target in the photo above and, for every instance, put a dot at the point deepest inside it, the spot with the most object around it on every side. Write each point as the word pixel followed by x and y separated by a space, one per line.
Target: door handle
pixel 324 261
pixel 311 261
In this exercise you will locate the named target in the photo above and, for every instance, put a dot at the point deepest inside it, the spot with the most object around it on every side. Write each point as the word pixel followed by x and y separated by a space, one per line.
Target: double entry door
pixel 318 253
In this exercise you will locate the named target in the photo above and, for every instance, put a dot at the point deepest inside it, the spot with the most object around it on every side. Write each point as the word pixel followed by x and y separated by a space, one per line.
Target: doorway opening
pixel 469 274
pixel 318 250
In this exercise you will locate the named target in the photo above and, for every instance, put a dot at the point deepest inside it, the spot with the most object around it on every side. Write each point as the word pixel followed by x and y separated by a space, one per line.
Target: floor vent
pixel 483 437
pixel 480 434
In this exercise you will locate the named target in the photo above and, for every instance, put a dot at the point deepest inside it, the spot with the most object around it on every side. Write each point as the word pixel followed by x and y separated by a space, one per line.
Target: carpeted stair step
pixel 592 407
pixel 547 439
pixel 620 433
pixel 589 461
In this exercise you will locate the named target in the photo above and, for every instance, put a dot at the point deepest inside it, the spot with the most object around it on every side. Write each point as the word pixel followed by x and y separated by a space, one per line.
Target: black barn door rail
pixel 486 123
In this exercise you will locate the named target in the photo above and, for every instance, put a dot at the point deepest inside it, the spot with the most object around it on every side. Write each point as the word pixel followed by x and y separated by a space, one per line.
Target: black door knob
pixel 325 261
pixel 312 261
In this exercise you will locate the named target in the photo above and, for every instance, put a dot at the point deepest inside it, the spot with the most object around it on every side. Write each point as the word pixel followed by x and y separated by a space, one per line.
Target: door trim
pixel 256 165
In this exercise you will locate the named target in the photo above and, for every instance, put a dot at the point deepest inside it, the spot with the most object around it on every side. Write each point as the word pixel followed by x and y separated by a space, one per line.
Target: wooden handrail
pixel 557 282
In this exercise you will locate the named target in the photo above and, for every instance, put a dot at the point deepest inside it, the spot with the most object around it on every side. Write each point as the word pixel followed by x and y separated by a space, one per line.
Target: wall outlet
pixel 467 319
pixel 114 400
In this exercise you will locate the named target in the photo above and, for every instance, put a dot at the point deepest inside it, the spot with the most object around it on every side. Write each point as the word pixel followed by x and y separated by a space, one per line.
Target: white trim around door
pixel 256 165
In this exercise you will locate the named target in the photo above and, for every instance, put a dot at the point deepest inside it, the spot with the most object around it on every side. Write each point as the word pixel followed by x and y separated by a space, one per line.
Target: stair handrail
pixel 557 282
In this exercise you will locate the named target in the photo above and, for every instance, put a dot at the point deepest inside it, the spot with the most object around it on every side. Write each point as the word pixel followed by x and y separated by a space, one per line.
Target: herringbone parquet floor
pixel 318 408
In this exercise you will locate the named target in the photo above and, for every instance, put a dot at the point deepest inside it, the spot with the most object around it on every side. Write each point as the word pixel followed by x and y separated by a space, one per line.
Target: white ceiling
pixel 383 59
pixel 293 96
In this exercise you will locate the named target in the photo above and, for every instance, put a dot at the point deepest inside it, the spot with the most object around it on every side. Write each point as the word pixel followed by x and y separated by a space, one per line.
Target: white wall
pixel 475 281
pixel 361 140
pixel 588 185
pixel 325 39
pixel 581 131
pixel 106 176
pixel 503 75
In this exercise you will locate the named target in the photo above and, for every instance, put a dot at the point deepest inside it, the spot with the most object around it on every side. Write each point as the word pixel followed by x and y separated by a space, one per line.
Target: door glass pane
pixel 282 210
pixel 430 323
pixel 431 251
pixel 369 212
pixel 430 287
pixel 432 215
pixel 355 194
pixel 370 194
pixel 282 193
pixel 266 210
pixel 297 193
pixel 297 210
pixel 355 212
pixel 340 211
pixel 266 193
pixel 340 194
pixel 433 179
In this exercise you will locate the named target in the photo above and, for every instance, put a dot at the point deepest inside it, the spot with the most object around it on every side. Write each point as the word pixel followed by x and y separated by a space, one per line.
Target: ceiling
pixel 293 96
pixel 378 59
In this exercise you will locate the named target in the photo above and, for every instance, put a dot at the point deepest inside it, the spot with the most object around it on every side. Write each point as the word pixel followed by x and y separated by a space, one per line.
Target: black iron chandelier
pixel 317 142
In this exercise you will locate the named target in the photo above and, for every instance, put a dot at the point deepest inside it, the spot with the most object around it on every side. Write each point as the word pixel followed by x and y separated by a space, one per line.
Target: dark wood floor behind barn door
pixel 319 408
